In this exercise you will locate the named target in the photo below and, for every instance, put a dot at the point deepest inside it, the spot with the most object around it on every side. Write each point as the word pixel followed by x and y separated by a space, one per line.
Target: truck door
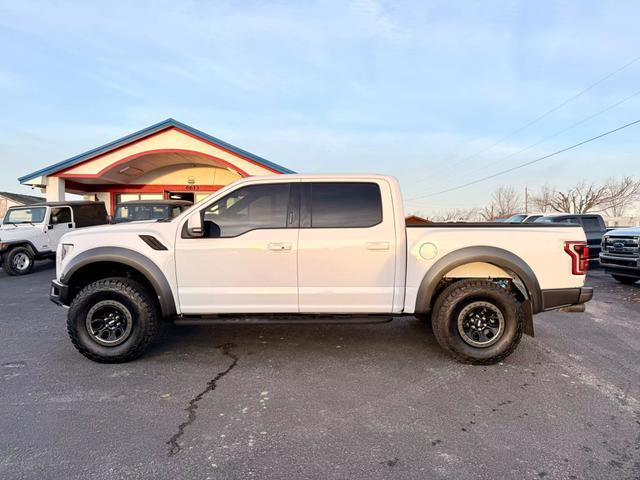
pixel 346 247
pixel 247 260
pixel 60 222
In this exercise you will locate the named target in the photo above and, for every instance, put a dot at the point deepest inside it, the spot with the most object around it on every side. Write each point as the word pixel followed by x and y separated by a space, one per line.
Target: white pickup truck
pixel 315 248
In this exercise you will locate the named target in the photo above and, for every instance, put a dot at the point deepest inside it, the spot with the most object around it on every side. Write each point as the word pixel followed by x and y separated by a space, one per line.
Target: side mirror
pixel 194 225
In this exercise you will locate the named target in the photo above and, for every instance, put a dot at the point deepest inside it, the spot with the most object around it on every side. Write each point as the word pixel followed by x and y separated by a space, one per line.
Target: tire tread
pixel 137 293
pixel 447 299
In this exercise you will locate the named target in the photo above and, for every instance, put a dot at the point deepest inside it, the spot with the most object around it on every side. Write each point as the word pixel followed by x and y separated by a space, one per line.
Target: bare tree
pixel 458 215
pixel 622 194
pixel 505 201
pixel 542 200
pixel 613 196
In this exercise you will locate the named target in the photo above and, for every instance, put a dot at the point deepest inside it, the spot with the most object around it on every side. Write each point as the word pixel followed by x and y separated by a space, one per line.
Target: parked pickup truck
pixel 620 255
pixel 31 233
pixel 592 224
pixel 314 248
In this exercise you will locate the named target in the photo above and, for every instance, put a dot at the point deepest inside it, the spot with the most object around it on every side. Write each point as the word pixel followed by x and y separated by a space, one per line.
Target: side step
pixel 267 319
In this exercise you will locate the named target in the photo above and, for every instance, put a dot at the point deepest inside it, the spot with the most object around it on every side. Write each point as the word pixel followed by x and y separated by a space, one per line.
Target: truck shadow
pixel 403 337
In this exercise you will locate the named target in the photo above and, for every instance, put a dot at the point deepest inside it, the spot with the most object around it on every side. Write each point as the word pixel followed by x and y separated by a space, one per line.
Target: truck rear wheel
pixel 477 321
pixel 113 320
pixel 18 261
pixel 624 279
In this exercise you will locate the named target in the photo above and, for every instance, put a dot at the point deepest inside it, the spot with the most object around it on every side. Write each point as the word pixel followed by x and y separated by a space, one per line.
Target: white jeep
pixel 32 232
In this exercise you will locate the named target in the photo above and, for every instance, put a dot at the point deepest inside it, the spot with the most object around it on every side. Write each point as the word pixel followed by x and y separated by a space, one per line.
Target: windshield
pixel 25 215
pixel 133 213
pixel 544 220
pixel 519 218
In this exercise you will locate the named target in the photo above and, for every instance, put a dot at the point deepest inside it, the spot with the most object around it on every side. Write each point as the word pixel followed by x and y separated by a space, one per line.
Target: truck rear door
pixel 346 247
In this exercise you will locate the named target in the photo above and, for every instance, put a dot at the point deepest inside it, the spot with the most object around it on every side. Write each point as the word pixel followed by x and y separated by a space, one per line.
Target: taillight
pixel 579 253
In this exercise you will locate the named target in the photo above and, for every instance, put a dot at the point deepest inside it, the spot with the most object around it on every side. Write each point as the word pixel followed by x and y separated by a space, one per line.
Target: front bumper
pixel 565 297
pixel 59 293
pixel 629 265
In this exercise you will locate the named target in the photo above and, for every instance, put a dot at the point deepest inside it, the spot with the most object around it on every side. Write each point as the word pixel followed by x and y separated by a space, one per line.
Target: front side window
pixel 345 205
pixel 248 208
pixel 60 215
pixel 25 215
pixel 518 218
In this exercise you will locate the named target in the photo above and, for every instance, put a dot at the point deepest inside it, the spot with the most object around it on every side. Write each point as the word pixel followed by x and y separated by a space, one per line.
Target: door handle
pixel 280 247
pixel 378 245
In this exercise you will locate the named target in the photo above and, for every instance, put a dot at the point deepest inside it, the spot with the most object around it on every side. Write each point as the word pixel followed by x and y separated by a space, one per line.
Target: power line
pixel 516 167
pixel 560 132
pixel 547 113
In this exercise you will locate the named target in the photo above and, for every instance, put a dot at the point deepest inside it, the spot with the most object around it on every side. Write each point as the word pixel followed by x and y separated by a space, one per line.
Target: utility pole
pixel 526 200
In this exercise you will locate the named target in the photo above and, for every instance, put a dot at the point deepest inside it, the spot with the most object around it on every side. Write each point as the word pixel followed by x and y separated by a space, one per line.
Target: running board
pixel 292 319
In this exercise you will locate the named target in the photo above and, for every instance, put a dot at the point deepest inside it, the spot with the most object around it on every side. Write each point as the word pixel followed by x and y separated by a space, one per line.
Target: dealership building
pixel 169 160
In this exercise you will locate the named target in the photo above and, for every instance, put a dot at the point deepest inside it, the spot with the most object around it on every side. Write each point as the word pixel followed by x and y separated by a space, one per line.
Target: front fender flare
pixel 133 259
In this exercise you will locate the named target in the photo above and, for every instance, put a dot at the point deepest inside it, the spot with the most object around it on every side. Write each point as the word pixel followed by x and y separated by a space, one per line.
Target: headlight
pixel 65 249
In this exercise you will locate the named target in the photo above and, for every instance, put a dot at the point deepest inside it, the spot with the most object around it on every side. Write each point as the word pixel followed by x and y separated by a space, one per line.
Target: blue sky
pixel 413 89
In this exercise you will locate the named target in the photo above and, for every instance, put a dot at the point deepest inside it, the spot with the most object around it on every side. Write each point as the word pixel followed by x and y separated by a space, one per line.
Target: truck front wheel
pixel 477 321
pixel 113 320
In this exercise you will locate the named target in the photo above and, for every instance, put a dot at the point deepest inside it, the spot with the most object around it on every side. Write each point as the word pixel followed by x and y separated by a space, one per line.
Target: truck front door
pixel 246 262
pixel 346 247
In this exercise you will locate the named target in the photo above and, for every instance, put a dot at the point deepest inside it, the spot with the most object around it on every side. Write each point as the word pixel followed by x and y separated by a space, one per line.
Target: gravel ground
pixel 325 402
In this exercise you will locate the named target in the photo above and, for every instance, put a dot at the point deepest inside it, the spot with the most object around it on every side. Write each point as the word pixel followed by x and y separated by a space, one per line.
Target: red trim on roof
pixel 140 188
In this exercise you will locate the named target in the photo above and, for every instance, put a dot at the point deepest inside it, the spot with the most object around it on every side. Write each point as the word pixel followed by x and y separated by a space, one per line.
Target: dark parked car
pixel 620 255
pixel 592 224
pixel 145 210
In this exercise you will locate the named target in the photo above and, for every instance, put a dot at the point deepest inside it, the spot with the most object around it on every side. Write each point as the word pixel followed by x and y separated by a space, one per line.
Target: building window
pixel 128 197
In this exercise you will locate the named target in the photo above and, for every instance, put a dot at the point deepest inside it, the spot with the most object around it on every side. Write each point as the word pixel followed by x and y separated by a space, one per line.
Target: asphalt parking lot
pixel 322 402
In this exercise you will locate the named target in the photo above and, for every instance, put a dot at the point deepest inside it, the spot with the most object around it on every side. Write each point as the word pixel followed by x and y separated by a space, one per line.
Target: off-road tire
pixel 8 265
pixel 461 293
pixel 144 313
pixel 624 279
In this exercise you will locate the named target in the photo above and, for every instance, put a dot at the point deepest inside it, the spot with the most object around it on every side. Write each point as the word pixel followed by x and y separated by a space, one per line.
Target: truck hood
pixel 135 228
pixel 634 231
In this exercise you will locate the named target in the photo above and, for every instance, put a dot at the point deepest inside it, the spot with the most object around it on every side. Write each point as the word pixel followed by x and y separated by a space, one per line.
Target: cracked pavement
pixel 321 401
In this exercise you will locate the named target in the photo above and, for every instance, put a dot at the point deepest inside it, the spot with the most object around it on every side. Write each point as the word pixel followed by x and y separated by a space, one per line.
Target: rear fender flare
pixel 492 255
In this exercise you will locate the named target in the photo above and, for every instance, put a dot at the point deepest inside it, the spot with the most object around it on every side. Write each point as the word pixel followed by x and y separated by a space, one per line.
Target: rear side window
pixel 591 224
pixel 345 205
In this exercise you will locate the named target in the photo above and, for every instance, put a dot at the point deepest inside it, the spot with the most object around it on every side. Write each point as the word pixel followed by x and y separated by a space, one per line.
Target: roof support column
pixel 55 189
